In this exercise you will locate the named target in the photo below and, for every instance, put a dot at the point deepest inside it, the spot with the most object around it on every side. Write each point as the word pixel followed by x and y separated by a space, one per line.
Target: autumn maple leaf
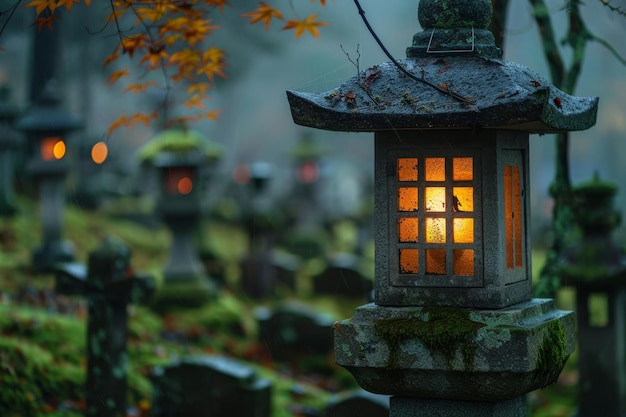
pixel 199 88
pixel 264 13
pixel 309 23
pixel 41 5
pixel 139 87
pixel 116 75
pixel 219 3
pixel 44 21
pixel 70 3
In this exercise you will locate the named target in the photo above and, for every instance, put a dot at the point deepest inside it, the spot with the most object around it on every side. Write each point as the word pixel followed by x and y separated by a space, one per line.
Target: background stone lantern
pixel 92 182
pixel 307 157
pixel 47 126
pixel 8 145
pixel 596 266
pixel 453 330
pixel 306 210
pixel 179 157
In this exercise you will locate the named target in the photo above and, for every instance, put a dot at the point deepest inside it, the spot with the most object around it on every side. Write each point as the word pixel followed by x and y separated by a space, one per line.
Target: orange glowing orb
pixel 52 148
pixel 184 185
pixel 99 152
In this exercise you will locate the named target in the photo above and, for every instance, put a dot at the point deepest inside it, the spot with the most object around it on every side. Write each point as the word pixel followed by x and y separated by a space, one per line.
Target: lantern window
pixel 597 309
pixel 514 236
pixel 52 148
pixel 178 181
pixel 434 243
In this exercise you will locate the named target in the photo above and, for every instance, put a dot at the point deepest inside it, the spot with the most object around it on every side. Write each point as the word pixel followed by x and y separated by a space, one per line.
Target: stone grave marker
pixel 293 328
pixel 342 277
pixel 210 386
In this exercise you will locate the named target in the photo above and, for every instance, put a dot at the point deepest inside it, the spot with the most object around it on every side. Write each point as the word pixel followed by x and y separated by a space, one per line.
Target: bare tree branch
pixel 11 10
pixel 550 46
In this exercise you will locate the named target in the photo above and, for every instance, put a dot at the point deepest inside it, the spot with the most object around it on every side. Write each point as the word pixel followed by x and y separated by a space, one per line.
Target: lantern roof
pixel 453 77
pixel 179 143
pixel 47 114
pixel 307 148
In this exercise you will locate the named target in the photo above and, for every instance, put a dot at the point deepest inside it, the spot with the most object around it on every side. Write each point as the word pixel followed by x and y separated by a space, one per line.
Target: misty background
pixel 255 123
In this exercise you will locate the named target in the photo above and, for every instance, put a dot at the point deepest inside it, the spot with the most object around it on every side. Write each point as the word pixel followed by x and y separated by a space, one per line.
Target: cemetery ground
pixel 43 335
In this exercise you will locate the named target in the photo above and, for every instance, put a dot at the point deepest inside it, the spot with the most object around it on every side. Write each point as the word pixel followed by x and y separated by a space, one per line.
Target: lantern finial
pixel 452 14
pixel 454 27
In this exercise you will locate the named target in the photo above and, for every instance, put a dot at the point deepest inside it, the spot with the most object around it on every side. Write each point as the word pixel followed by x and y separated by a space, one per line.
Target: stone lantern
pixel 91 170
pixel 453 329
pixel 8 145
pixel 47 126
pixel 179 157
pixel 596 266
pixel 307 238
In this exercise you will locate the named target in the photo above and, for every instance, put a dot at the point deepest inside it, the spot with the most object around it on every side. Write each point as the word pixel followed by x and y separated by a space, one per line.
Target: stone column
pixel 9 144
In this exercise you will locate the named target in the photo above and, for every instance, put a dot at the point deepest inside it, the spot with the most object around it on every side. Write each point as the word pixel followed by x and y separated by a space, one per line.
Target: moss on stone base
pixel 443 330
pixel 189 293
pixel 552 353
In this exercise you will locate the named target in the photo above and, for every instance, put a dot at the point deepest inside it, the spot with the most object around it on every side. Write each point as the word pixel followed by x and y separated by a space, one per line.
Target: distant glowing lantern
pixel 52 148
pixel 99 152
pixel 47 127
pixel 185 185
pixel 308 172
pixel 178 180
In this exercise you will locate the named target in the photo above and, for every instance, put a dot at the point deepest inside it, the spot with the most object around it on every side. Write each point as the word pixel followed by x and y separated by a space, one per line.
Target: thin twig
pixel 168 86
pixel 358 73
pixel 13 9
pixel 356 64
pixel 404 70
pixel 615 9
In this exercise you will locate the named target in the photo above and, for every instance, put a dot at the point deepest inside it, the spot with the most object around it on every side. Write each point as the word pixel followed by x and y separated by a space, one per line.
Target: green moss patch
pixel 443 330
pixel 552 353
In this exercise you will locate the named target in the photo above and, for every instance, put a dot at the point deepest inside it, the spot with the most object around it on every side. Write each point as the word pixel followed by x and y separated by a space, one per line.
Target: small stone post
pixel 453 330
pixel 109 286
pixel 178 155
pixel 596 267
pixel 8 147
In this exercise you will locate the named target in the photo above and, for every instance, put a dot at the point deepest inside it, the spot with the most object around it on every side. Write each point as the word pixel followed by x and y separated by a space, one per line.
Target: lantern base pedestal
pixel 49 254
pixel 421 407
pixel 191 292
pixel 459 354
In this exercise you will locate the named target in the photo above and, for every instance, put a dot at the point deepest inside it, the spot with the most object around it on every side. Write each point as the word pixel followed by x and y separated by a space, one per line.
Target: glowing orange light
pixel 308 172
pixel 241 174
pixel 184 185
pixel 52 148
pixel 99 152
